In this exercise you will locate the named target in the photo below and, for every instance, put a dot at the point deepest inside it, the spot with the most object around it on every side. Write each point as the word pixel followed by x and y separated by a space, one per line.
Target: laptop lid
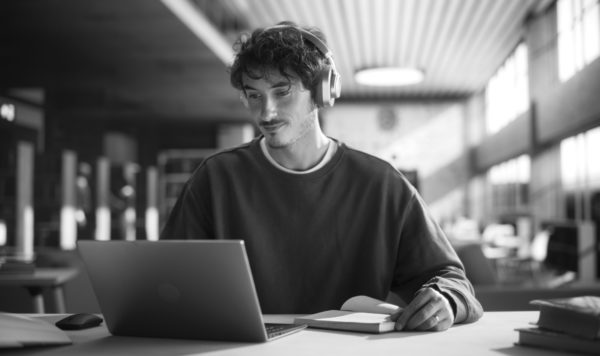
pixel 193 289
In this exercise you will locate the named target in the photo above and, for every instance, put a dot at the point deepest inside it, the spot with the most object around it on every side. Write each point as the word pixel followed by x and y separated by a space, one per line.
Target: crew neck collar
pixel 332 147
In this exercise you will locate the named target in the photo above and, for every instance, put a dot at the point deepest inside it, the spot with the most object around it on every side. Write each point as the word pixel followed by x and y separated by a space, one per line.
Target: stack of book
pixel 570 324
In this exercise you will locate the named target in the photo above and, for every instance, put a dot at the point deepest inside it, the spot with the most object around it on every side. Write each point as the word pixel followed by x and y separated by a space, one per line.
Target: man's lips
pixel 272 125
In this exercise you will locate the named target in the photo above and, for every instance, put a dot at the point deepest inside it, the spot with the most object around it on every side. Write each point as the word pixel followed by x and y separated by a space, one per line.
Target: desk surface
pixel 494 334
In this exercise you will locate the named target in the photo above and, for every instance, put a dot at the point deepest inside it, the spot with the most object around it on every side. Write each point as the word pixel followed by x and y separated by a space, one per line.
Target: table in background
pixel 494 334
pixel 41 279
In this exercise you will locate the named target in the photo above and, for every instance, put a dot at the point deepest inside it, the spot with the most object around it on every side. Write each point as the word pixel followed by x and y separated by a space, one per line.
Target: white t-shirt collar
pixel 331 148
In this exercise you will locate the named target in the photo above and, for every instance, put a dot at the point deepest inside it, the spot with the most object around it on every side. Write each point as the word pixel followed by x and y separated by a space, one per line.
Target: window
pixel 580 172
pixel 507 92
pixel 510 184
pixel 578 35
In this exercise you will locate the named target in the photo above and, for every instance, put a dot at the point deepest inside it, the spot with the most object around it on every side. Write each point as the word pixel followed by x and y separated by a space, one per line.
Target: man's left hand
pixel 429 310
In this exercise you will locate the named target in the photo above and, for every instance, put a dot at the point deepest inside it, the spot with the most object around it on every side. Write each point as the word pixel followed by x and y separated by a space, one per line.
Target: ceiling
pixel 135 59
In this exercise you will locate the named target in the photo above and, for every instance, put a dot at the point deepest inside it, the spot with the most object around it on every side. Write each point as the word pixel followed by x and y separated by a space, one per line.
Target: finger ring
pixel 437 318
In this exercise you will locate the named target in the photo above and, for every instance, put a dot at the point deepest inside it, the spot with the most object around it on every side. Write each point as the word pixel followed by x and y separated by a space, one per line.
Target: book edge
pixel 370 327
pixel 576 344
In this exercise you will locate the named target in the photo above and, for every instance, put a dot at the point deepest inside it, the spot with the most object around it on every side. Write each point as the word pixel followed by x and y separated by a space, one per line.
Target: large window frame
pixel 507 92
pixel 509 182
pixel 578 31
pixel 580 172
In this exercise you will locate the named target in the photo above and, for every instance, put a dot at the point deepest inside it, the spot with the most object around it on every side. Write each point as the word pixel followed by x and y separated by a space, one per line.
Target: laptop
pixel 189 289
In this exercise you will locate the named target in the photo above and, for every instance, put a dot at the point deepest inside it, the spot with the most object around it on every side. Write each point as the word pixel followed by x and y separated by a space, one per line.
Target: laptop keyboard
pixel 274 330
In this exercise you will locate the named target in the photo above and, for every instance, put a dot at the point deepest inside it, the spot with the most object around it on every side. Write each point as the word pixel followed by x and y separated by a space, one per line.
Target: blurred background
pixel 106 107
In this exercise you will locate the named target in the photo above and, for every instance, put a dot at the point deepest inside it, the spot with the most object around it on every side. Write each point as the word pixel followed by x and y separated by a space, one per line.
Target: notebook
pixel 27 331
pixel 191 289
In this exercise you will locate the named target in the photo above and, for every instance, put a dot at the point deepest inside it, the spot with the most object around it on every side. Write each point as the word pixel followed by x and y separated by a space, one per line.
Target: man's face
pixel 282 108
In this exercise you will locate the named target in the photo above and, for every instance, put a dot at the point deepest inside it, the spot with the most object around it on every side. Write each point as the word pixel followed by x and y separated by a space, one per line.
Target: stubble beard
pixel 277 142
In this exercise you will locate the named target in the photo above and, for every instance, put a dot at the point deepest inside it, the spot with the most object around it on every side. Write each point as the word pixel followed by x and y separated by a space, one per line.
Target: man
pixel 321 222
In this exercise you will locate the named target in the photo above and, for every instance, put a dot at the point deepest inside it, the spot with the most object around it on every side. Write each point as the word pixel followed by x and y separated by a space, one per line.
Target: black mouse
pixel 79 321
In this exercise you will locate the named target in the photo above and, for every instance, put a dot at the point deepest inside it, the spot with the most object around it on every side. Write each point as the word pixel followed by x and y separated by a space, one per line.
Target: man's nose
pixel 268 108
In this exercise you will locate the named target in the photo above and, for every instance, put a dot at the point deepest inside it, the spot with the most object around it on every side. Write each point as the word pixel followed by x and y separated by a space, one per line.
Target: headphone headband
pixel 329 87
pixel 312 38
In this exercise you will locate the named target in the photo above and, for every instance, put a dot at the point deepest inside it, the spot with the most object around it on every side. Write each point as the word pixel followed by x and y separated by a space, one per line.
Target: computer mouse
pixel 79 321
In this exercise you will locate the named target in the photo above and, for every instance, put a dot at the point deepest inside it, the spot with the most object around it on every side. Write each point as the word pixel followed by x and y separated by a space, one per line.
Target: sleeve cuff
pixel 455 300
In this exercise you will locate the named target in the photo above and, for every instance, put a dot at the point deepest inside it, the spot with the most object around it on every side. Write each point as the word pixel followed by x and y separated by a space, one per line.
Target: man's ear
pixel 243 98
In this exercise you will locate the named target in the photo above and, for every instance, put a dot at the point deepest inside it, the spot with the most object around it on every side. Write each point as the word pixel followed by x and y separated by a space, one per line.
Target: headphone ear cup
pixel 323 90
pixel 336 85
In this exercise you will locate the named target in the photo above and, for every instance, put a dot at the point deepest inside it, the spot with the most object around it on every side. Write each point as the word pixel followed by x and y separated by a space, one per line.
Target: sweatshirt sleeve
pixel 427 259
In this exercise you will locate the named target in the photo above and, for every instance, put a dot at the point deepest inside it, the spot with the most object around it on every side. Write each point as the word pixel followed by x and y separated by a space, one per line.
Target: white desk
pixel 492 335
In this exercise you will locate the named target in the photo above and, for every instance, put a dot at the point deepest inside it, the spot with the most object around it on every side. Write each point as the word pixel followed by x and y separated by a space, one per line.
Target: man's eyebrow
pixel 281 84
pixel 276 85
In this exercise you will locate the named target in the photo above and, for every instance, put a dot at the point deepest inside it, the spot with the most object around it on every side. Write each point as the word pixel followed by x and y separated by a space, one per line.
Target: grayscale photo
pixel 300 177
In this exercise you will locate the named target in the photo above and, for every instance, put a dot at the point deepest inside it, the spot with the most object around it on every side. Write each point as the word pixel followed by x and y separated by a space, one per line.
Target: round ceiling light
pixel 389 76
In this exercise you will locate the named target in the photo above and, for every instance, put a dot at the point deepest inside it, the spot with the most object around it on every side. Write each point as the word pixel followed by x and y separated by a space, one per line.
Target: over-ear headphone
pixel 329 86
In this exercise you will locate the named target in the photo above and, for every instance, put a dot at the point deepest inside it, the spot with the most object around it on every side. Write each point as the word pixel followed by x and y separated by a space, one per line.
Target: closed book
pixel 359 313
pixel 537 337
pixel 579 316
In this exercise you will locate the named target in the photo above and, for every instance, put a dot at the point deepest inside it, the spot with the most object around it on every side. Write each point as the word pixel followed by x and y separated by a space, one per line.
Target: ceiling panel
pixel 138 52
pixel 458 43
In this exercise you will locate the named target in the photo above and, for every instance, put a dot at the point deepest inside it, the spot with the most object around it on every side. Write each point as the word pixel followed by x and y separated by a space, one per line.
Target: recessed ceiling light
pixel 389 76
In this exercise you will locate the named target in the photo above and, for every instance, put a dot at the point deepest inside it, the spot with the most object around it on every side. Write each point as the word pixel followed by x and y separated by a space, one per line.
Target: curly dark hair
pixel 281 47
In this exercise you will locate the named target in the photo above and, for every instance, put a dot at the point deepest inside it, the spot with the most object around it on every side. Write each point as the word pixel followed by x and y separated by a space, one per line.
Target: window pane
pixel 568 164
pixel 564 15
pixel 507 94
pixel 578 43
pixel 593 162
pixel 578 35
pixel 510 184
pixel 524 169
pixel 577 10
pixel 591 31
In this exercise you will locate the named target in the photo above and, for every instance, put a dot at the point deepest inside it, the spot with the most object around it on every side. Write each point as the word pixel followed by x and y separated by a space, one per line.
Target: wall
pixel 559 110
pixel 429 137
pixel 446 144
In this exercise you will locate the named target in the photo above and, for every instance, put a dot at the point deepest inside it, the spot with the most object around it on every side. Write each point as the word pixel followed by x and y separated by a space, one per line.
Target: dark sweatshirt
pixel 355 226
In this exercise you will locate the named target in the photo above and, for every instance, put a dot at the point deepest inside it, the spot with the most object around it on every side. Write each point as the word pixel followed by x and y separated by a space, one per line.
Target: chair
pixel 478 268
